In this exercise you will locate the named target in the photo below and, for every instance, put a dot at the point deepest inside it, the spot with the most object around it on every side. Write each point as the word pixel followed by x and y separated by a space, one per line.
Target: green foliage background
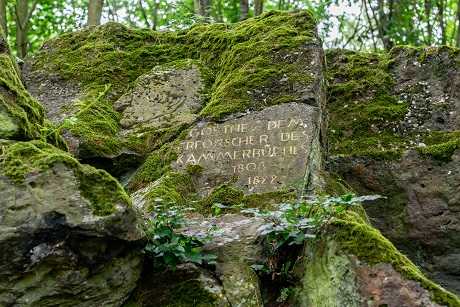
pixel 365 25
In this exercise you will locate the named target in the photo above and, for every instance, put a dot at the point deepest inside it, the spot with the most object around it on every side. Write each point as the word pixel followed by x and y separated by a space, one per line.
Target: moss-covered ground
pixel 242 58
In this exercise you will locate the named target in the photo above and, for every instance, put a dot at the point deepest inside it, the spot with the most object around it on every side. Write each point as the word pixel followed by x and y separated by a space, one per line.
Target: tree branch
pixel 29 15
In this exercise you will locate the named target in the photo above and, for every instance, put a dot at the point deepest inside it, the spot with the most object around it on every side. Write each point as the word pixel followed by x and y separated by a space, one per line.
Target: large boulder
pixel 394 132
pixel 231 281
pixel 262 126
pixel 352 264
pixel 69 235
pixel 231 70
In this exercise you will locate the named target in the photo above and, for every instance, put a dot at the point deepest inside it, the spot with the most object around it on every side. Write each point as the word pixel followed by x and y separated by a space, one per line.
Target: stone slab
pixel 257 152
pixel 163 98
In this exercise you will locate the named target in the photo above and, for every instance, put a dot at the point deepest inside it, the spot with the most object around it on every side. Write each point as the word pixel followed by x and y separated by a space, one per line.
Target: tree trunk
pixel 219 11
pixel 155 15
pixel 457 43
pixel 94 12
pixel 429 26
pixel 244 9
pixel 258 7
pixel 199 7
pixel 442 24
pixel 144 14
pixel 3 23
pixel 21 28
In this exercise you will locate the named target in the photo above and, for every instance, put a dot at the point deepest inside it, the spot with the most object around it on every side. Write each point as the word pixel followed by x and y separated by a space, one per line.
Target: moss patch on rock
pixel 225 195
pixel 23 109
pixel 334 185
pixel 189 293
pixel 156 165
pixel 441 145
pixel 20 159
pixel 371 115
pixel 364 114
pixel 367 243
pixel 172 189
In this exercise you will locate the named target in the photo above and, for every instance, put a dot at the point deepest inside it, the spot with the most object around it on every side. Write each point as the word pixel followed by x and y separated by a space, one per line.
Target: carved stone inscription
pixel 258 152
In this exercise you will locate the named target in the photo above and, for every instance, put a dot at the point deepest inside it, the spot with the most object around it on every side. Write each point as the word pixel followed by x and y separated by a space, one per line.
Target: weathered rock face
pixel 405 150
pixel 61 243
pixel 164 98
pixel 420 214
pixel 251 137
pixel 69 235
pixel 228 71
pixel 232 281
pixel 258 152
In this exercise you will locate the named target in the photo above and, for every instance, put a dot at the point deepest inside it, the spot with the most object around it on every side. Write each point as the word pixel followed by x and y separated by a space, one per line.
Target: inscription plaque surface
pixel 258 152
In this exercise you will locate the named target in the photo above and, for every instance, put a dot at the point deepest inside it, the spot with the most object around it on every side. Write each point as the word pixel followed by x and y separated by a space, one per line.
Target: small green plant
pixel 168 245
pixel 284 294
pixel 292 223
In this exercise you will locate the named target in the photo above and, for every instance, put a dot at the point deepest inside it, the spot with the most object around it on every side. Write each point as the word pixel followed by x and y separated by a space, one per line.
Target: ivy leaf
pixel 168 257
pixel 194 257
pixel 209 257
pixel 347 197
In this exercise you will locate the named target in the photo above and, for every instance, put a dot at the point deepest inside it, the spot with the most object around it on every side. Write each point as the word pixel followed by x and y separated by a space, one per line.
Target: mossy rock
pixel 352 260
pixel 382 105
pixel 20 114
pixel 23 158
pixel 250 65
pixel 76 219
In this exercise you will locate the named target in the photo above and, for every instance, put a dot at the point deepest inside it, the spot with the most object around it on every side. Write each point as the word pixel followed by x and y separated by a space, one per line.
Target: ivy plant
pixel 168 245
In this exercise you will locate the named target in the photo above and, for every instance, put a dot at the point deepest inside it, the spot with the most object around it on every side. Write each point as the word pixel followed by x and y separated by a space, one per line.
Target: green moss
pixel 238 58
pixel 368 244
pixel 267 199
pixel 225 195
pixel 149 140
pixel 158 164
pixel 441 145
pixel 189 293
pixel 54 137
pixel 173 188
pixel 194 169
pixel 364 115
pixel 26 112
pixel 335 186
pixel 22 107
pixel 442 152
pixel 102 190
pixel 97 186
